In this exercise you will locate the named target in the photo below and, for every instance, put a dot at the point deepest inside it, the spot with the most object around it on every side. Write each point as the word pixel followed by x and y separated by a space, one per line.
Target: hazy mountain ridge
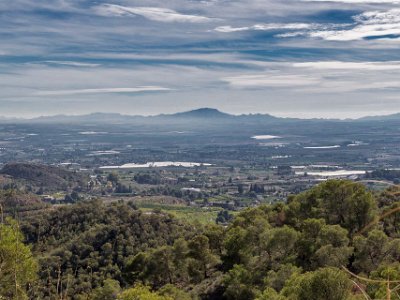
pixel 210 114
pixel 116 118
pixel 395 116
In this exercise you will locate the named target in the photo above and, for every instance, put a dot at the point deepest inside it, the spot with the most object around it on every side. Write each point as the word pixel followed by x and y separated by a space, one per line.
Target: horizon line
pixel 188 111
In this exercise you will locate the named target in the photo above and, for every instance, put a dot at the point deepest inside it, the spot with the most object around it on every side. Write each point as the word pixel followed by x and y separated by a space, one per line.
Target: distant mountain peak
pixel 205 112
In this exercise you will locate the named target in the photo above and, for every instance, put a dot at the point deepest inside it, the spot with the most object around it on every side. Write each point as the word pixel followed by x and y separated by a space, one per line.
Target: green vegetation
pixel 184 213
pixel 17 266
pixel 304 249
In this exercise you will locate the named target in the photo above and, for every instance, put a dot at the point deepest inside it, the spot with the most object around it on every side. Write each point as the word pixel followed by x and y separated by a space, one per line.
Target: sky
pixel 291 58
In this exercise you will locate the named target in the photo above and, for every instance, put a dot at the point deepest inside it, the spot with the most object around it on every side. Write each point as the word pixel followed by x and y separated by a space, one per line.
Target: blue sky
pixel 302 58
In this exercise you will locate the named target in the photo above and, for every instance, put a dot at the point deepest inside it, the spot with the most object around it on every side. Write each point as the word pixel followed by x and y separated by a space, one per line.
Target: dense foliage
pixel 88 242
pixel 294 251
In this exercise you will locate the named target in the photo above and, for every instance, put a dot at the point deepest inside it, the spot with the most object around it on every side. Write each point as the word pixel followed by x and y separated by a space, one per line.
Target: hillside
pixel 293 251
pixel 13 201
pixel 90 241
pixel 50 178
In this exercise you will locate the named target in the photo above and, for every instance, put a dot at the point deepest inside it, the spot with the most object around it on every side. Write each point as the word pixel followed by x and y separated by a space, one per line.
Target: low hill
pixel 293 250
pixel 48 177
pixel 13 201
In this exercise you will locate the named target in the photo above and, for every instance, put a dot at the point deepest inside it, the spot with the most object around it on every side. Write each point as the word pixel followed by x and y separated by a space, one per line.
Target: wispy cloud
pixel 102 91
pixel 340 65
pixel 270 80
pixel 228 29
pixel 357 1
pixel 372 24
pixel 71 63
pixel 268 26
pixel 368 25
pixel 152 13
pixel 324 77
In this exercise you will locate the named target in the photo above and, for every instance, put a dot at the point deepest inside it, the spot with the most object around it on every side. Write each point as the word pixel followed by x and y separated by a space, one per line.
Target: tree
pixel 375 249
pixel 257 188
pixel 75 196
pixel 17 266
pixel 223 217
pixel 322 245
pixel 141 292
pixel 123 189
pixel 180 252
pixel 200 252
pixel 323 284
pixel 332 244
pixel 385 273
pixel 307 244
pixel 238 283
pixel 109 290
pixel 173 292
pixel 347 204
pixel 391 220
pixel 279 244
pixel 161 266
pixel 236 245
pixel 113 177
pixel 270 294
pixel 338 202
pixel 277 279
pixel 240 188
pixel 136 268
pixel 155 267
pixel 148 178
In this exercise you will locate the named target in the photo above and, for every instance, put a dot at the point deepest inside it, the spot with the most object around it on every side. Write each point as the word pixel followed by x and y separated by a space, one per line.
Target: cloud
pixel 152 13
pixel 71 63
pixel 368 25
pixel 102 91
pixel 357 1
pixel 228 29
pixel 265 80
pixel 323 78
pixel 290 30
pixel 267 26
pixel 340 65
pixel 373 24
pixel 28 5
pixel 76 55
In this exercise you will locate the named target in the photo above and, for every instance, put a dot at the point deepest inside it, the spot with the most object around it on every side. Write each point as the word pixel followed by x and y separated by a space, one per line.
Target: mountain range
pixel 201 114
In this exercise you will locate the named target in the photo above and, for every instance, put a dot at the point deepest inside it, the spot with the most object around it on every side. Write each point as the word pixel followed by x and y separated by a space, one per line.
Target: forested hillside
pixel 300 250
pixel 38 176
